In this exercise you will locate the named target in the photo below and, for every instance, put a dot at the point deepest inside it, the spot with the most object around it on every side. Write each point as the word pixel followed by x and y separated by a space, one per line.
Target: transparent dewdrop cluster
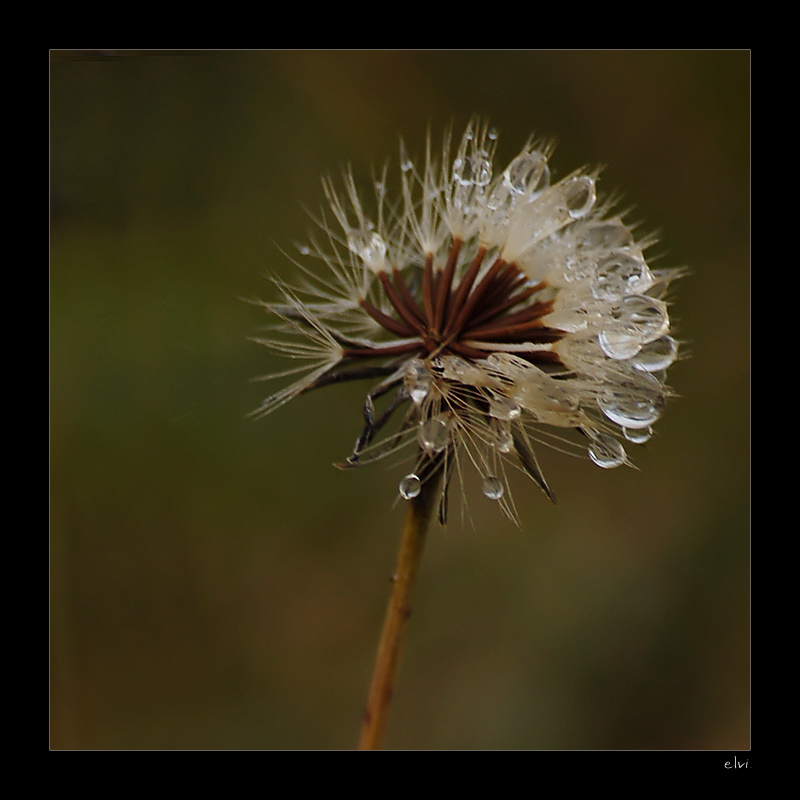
pixel 491 311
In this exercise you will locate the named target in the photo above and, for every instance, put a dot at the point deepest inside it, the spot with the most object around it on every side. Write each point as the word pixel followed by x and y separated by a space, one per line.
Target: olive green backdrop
pixel 215 582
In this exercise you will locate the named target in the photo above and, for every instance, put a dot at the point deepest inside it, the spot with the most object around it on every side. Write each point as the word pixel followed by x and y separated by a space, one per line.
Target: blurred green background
pixel 216 583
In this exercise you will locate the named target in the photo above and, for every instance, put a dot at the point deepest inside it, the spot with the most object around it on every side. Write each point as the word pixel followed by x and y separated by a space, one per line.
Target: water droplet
pixel 406 164
pixel 458 171
pixel 632 323
pixel 504 439
pixel 410 486
pixel 606 451
pixel 618 345
pixel 633 405
pixel 549 401
pixel 609 234
pixel 418 380
pixel 434 434
pixel 645 316
pixel 527 173
pixel 570 319
pixel 577 267
pixel 620 274
pixel 482 169
pixel 504 408
pixel 369 246
pixel 498 198
pixel 474 170
pixel 493 487
pixel 639 436
pixel 579 194
pixel 657 355
pixel 456 369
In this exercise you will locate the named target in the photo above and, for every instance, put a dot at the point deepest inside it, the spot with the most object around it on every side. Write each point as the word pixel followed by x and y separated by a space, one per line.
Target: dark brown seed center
pixel 457 318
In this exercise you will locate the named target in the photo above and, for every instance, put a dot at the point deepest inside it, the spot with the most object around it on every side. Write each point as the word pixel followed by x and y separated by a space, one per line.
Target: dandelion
pixel 493 311
pixel 497 310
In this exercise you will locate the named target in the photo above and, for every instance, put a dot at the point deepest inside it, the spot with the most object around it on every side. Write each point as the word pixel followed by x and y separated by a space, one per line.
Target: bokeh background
pixel 215 582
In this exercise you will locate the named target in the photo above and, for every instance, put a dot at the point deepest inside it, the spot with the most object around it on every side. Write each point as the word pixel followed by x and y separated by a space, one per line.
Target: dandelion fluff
pixel 488 305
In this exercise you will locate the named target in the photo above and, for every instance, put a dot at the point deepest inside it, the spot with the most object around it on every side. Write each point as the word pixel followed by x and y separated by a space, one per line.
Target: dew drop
pixel 606 451
pixel 493 487
pixel 504 408
pixel 474 170
pixel 633 406
pixel 498 198
pixel 456 369
pixel 620 274
pixel 618 344
pixel 482 169
pixel 434 434
pixel 633 322
pixel 551 402
pixel 527 173
pixel 459 170
pixel 637 436
pixel 609 234
pixel 418 380
pixel 406 164
pixel 644 316
pixel 410 486
pixel 571 320
pixel 657 355
pixel 577 268
pixel 579 194
pixel 504 439
pixel 369 246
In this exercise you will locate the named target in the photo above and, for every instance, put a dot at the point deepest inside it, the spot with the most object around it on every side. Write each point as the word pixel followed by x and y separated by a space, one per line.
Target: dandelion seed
pixel 492 306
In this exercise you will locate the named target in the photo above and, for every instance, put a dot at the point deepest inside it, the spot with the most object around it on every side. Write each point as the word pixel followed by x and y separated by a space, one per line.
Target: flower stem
pixel 397 615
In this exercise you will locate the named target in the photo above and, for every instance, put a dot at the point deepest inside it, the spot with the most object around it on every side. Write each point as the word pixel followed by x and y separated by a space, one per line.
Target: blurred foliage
pixel 215 583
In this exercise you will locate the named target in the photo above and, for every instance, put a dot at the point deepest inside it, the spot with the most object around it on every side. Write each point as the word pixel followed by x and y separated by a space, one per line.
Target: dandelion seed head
pixel 492 309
